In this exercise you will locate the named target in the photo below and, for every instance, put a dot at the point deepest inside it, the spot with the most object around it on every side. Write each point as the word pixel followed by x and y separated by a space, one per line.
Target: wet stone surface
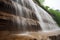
pixel 55 37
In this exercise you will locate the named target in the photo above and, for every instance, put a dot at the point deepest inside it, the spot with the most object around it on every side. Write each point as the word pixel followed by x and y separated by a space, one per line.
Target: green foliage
pixel 46 7
pixel 41 1
pixel 56 15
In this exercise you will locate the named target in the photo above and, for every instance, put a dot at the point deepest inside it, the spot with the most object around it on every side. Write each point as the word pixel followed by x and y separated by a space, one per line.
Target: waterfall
pixel 27 7
pixel 26 16
pixel 49 23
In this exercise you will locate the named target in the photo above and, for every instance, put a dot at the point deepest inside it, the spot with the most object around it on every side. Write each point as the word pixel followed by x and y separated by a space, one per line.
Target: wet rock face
pixel 5 35
pixel 15 23
pixel 7 6
pixel 10 21
pixel 55 37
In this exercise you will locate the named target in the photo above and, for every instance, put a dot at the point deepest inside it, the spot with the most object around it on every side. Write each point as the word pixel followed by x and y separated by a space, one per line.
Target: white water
pixel 26 7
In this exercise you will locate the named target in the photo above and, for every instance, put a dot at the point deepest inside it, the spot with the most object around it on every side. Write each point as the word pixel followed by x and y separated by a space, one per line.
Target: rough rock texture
pixel 7 6
pixel 10 20
pixel 5 35
pixel 55 37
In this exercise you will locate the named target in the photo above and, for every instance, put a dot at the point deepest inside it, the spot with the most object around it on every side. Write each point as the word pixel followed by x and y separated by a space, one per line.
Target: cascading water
pixel 49 23
pixel 25 15
pixel 25 20
pixel 27 9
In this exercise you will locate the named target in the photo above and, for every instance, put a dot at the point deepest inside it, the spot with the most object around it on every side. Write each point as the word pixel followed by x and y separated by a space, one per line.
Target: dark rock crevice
pixel 56 37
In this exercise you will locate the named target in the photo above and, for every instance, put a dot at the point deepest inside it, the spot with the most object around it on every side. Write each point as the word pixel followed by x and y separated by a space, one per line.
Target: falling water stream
pixel 25 19
pixel 32 14
pixel 25 16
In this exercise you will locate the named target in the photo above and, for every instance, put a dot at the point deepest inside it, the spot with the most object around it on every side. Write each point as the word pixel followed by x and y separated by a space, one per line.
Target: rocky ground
pixel 5 35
